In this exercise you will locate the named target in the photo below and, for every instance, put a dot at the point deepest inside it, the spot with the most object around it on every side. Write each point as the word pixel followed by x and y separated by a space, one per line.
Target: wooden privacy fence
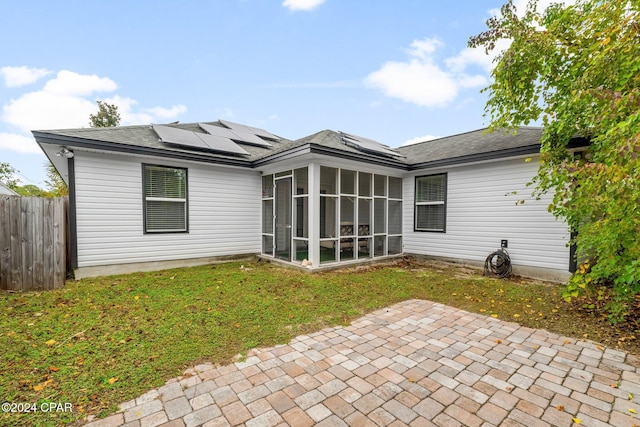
pixel 33 243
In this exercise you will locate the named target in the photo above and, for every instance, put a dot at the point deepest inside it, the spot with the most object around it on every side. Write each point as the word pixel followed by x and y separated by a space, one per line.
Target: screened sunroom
pixel 321 215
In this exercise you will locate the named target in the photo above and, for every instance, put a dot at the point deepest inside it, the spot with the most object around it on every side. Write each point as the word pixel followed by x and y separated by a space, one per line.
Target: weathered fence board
pixel 33 243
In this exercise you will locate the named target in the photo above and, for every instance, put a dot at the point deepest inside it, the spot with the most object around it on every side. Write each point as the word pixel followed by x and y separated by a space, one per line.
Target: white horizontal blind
pixel 165 191
pixel 430 202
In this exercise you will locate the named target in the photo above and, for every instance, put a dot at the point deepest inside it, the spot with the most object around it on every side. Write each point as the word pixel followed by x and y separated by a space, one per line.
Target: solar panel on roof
pixel 369 145
pixel 251 138
pixel 221 144
pixel 256 131
pixel 172 135
pixel 216 130
pixel 236 135
pixel 186 138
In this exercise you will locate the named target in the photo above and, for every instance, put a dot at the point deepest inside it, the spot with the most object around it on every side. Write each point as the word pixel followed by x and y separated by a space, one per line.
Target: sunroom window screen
pixel 430 206
pixel 165 198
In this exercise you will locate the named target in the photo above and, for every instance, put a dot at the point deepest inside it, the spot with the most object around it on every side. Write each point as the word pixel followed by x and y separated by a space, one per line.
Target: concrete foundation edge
pixel 539 273
pixel 113 269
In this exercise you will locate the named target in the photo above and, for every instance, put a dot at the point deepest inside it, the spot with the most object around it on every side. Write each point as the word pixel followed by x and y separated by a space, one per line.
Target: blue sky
pixel 392 71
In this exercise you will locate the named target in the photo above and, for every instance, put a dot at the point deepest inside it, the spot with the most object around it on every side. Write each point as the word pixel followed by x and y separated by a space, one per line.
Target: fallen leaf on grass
pixel 51 342
pixel 54 368
pixel 112 380
pixel 42 386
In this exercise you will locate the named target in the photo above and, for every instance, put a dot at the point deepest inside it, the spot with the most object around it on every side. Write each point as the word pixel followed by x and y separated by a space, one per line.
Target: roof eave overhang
pixel 311 148
pixel 478 157
pixel 47 138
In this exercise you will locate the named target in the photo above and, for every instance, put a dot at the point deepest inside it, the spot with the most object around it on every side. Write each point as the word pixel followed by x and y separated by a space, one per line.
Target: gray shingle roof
pixel 470 146
pixel 474 144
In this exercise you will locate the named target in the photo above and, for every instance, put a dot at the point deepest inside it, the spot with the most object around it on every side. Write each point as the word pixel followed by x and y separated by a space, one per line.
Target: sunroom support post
pixel 314 214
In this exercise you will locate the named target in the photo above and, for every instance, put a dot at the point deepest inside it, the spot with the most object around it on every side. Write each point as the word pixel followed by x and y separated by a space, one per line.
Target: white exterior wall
pixel 481 210
pixel 224 212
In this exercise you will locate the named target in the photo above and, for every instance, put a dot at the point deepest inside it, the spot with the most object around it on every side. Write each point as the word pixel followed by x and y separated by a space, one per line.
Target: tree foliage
pixel 577 70
pixel 55 184
pixel 31 190
pixel 8 175
pixel 106 116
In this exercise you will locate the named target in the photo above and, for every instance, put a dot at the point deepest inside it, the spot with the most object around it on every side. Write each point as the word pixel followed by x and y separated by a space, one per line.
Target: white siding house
pixel 222 206
pixel 152 197
pixel 483 207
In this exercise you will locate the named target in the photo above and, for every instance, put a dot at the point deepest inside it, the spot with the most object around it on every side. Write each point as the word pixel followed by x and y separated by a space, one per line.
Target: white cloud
pixel 225 113
pixel 476 56
pixel 66 101
pixel 302 4
pixel 44 110
pixel 68 83
pixel 21 76
pixel 418 139
pixel 19 143
pixel 421 80
pixel 167 113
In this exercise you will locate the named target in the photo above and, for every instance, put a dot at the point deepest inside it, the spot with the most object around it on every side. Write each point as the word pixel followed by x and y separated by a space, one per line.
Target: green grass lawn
pixel 98 342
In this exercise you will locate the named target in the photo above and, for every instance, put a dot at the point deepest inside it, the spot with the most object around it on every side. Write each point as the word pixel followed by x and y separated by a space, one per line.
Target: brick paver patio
pixel 416 363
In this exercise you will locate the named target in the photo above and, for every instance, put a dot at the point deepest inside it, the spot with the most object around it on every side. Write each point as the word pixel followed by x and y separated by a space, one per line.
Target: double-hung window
pixel 165 199
pixel 431 203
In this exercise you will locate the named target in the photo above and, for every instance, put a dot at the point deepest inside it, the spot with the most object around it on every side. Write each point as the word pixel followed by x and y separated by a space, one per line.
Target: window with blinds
pixel 165 199
pixel 430 203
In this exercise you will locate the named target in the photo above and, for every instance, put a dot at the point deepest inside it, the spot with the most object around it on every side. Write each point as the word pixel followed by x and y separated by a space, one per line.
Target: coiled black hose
pixel 498 264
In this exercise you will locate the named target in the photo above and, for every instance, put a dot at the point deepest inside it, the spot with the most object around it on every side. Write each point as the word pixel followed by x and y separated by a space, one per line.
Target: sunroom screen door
pixel 283 218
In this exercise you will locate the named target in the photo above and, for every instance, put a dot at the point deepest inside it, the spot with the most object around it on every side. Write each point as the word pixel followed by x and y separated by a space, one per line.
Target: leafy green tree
pixel 31 190
pixel 577 70
pixel 55 184
pixel 106 116
pixel 8 175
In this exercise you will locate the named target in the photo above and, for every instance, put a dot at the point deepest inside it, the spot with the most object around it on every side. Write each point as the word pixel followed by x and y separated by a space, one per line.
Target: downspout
pixel 73 234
